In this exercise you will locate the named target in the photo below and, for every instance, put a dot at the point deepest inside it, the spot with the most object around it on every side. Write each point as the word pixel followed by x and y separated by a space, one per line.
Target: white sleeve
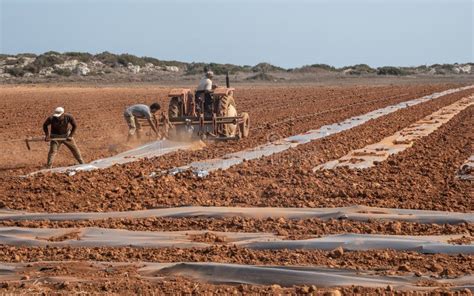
pixel 208 84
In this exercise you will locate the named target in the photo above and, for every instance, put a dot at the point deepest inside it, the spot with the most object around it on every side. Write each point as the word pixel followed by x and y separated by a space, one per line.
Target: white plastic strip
pixel 224 273
pixel 104 237
pixel 202 168
pixel 466 171
pixel 288 276
pixel 153 149
pixel 355 213
pixel 400 141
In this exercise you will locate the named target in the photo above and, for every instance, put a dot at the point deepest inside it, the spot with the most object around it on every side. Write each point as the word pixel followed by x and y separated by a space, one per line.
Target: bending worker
pixel 143 112
pixel 60 129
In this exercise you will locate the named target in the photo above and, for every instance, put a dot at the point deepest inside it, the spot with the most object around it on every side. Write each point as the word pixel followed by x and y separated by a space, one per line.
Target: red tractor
pixel 211 115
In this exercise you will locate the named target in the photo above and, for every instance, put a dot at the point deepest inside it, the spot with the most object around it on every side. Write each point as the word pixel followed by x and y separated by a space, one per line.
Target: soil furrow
pixel 383 261
pixel 290 228
pixel 280 180
pixel 122 278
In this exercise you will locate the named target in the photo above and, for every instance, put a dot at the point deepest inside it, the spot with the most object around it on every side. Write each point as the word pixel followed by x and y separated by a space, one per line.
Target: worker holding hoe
pixel 143 112
pixel 60 122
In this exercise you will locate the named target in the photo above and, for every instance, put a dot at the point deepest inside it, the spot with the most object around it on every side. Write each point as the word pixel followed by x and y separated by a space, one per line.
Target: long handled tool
pixel 41 139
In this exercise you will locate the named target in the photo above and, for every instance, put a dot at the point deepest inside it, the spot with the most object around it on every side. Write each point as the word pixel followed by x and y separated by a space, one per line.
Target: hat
pixel 58 111
pixel 209 74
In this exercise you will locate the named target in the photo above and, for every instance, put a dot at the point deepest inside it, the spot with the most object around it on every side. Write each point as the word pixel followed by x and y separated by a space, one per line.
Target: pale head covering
pixel 58 112
pixel 209 74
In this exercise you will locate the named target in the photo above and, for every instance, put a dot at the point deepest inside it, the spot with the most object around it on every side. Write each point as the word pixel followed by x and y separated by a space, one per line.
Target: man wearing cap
pixel 204 90
pixel 143 112
pixel 60 122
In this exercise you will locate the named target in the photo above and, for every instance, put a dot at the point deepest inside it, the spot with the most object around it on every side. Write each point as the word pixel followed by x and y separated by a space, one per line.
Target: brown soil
pixel 285 179
pixel 465 240
pixel 82 277
pixel 291 228
pixel 383 262
pixel 422 177
pixel 68 236
pixel 87 105
pixel 209 237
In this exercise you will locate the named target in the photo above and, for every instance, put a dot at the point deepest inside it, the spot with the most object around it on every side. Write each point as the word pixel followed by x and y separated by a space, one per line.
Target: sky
pixel 287 33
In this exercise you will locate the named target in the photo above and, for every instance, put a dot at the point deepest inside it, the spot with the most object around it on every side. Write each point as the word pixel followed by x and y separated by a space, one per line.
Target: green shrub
pixel 359 69
pixel 26 55
pixel 222 69
pixel 80 56
pixel 51 52
pixel 266 67
pixel 196 68
pixel 16 71
pixel 126 58
pixel 447 67
pixel 390 71
pixel 63 72
pixel 313 68
pixel 32 68
pixel 107 58
pixel 154 61
pixel 363 68
pixel 173 63
pixel 218 69
pixel 46 60
pixel 93 73
pixel 12 62
pixel 323 66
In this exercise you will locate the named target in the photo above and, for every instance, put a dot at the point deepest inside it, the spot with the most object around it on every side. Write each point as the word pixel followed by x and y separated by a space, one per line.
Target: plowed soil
pixel 82 277
pixel 284 179
pixel 421 177
pixel 274 112
pixel 384 262
pixel 291 228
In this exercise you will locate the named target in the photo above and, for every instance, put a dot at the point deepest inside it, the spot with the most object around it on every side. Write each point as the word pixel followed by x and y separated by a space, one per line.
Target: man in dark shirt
pixel 59 129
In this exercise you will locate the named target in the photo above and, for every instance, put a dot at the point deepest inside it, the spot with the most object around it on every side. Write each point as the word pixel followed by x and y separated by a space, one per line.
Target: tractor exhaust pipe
pixel 227 81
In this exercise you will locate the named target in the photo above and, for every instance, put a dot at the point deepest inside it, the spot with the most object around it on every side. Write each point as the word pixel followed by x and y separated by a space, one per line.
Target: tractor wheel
pixel 174 108
pixel 245 126
pixel 227 109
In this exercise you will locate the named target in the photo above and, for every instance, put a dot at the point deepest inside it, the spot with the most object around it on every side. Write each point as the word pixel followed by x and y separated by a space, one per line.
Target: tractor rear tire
pixel 245 126
pixel 174 108
pixel 227 108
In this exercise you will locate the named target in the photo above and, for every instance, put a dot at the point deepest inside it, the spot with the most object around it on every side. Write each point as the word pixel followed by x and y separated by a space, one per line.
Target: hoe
pixel 41 139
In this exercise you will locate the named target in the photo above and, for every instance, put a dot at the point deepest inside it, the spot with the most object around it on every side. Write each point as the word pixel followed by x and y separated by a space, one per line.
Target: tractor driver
pixel 204 89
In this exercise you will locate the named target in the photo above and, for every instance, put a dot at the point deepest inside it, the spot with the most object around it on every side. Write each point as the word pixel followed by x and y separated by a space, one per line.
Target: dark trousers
pixel 203 98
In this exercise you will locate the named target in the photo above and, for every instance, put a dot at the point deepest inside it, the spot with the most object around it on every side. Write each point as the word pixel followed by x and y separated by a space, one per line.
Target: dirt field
pixel 422 177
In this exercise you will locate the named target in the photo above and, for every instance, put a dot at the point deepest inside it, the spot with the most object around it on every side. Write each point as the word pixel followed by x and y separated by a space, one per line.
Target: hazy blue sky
pixel 286 33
